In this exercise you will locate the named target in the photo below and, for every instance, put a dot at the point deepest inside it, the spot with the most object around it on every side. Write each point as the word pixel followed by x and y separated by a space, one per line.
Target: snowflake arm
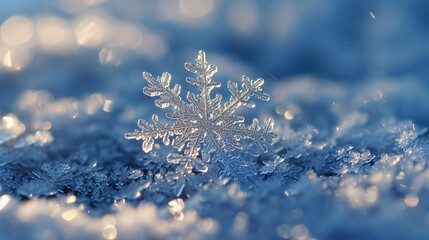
pixel 167 96
pixel 205 85
pixel 149 133
pixel 262 136
pixel 238 98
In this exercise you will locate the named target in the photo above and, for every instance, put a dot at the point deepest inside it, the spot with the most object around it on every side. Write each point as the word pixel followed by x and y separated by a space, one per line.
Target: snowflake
pixel 202 125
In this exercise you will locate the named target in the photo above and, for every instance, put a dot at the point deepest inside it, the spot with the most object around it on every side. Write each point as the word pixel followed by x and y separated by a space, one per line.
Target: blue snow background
pixel 349 95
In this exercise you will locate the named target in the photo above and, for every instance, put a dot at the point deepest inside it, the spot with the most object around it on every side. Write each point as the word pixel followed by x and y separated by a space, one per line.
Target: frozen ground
pixel 349 99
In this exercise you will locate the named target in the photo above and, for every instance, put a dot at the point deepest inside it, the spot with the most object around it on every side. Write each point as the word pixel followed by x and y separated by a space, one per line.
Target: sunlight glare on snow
pixel 176 206
pixel 71 199
pixel 4 200
pixel 8 121
pixel 10 127
pixel 11 123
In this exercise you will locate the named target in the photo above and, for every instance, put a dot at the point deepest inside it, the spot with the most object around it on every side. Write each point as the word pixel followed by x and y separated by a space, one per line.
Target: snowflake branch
pixel 203 81
pixel 149 133
pixel 250 88
pixel 263 135
pixel 160 87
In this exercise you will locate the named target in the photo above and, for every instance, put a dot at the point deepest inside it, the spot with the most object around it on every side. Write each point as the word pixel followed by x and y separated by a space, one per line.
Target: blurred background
pixel 66 60
pixel 72 47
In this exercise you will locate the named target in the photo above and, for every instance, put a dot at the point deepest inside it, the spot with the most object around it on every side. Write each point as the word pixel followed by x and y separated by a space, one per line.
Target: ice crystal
pixel 202 125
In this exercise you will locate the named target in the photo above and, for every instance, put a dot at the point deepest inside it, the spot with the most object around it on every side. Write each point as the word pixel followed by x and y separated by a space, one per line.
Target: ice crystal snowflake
pixel 203 125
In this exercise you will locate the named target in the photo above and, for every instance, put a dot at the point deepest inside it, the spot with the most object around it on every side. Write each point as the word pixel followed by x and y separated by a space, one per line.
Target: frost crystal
pixel 202 123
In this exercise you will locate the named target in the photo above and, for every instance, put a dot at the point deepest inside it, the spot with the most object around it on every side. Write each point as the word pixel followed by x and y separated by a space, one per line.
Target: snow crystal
pixel 204 120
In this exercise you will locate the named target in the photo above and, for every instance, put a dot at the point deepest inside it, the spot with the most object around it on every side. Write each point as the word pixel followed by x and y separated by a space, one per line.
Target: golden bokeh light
pixel 4 200
pixel 15 59
pixel 288 115
pixel 70 214
pixel 244 17
pixel 411 200
pixel 92 30
pixel 109 232
pixel 51 30
pixel 108 106
pixel 176 206
pixel 10 127
pixel 17 30
pixel 127 35
pixel 195 8
pixel 71 199
pixel 112 56
pixel 55 35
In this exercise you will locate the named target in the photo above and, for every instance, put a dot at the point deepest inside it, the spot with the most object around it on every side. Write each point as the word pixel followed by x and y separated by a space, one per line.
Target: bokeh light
pixel 17 30
pixel 92 30
pixel 244 17
pixel 195 8
pixel 55 35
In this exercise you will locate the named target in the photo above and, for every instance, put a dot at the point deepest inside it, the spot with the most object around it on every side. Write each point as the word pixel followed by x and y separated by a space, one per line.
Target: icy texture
pixel 344 170
pixel 204 120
